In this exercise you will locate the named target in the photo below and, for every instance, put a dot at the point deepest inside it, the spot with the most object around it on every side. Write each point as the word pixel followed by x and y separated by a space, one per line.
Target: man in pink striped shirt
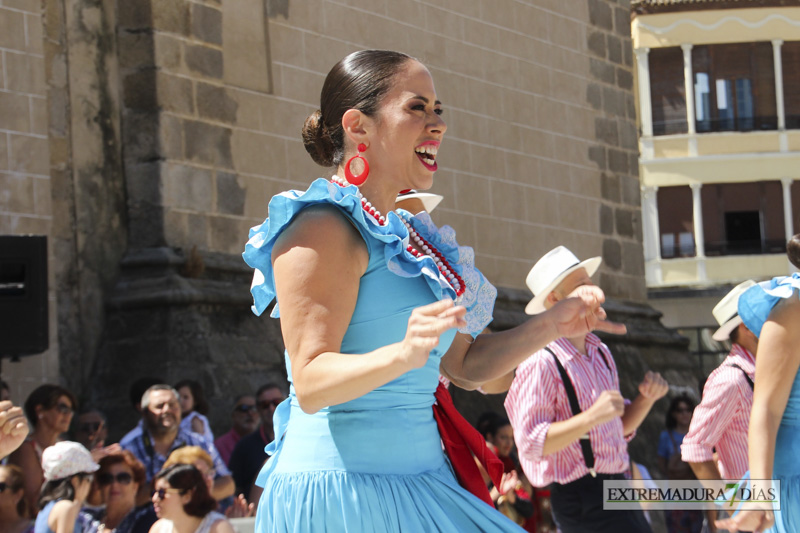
pixel 575 447
pixel 723 416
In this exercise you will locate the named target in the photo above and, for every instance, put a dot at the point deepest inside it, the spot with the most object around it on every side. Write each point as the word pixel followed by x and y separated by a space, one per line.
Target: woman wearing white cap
pixel 68 474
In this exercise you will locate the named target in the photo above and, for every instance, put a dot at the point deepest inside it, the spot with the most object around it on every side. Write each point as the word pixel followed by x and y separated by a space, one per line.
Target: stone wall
pixel 25 182
pixel 171 124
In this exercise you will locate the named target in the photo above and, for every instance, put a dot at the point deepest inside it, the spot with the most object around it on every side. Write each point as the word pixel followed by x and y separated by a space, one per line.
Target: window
pixel 743 232
pixel 667 93
pixel 743 218
pixel 675 222
pixel 790 58
pixel 734 87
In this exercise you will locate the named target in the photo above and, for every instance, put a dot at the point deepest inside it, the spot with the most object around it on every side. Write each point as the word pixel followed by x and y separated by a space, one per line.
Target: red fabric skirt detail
pixel 462 441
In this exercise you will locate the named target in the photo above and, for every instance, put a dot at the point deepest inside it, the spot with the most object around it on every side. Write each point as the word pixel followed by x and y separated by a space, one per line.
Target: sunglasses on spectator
pixel 90 427
pixel 269 403
pixel 88 476
pixel 244 408
pixel 123 478
pixel 161 493
pixel 63 408
pixel 3 486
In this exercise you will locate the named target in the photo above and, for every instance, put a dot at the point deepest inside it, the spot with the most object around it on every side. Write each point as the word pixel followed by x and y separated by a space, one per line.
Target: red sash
pixel 461 441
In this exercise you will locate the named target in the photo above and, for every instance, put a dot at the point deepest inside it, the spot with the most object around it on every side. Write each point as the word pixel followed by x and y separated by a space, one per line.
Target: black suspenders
pixel 586 445
pixel 749 381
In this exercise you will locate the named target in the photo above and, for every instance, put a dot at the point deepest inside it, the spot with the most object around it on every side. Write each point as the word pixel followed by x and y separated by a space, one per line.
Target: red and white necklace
pixel 427 248
pixel 365 204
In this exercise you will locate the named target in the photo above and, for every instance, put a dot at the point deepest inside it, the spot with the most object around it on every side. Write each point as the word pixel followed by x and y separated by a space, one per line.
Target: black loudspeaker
pixel 23 295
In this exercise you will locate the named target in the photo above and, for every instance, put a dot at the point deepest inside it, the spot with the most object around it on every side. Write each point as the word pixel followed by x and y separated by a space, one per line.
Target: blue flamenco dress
pixel 754 307
pixel 375 463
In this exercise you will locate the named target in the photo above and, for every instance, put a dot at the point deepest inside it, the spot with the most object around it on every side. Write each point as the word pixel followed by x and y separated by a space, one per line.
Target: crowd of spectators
pixel 168 474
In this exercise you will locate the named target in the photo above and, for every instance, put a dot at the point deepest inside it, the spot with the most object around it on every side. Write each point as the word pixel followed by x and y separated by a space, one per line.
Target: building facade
pixel 145 137
pixel 718 92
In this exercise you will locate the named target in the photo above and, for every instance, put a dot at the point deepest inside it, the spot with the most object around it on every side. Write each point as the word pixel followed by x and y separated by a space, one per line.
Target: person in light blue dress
pixel 771 310
pixel 370 301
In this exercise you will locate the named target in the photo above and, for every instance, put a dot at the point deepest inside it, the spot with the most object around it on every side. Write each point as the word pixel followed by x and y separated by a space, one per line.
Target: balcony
pixel 701 271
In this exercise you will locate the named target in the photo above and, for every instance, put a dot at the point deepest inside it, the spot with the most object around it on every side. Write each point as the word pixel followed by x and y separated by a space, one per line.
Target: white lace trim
pixel 480 295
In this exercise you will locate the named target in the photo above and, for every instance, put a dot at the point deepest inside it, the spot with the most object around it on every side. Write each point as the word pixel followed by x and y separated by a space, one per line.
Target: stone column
pixel 788 216
pixel 688 87
pixel 652 239
pixel 645 108
pixel 697 219
pixel 779 105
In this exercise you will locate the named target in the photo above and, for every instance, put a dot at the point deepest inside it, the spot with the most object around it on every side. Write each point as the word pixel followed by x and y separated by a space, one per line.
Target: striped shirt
pixel 722 418
pixel 537 398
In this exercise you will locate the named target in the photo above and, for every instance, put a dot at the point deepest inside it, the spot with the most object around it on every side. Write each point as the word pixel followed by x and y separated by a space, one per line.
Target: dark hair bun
pixel 317 140
pixel 793 250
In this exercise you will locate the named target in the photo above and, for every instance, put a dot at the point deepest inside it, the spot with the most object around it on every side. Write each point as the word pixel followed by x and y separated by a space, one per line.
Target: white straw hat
pixel 551 270
pixel 429 200
pixel 726 312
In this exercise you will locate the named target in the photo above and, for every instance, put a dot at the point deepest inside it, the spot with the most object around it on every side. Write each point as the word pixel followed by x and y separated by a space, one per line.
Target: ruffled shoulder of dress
pixel 480 295
pixel 756 302
pixel 391 238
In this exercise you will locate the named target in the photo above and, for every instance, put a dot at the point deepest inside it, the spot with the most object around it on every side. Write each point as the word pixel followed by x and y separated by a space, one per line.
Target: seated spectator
pixel 161 434
pixel 678 419
pixel 68 473
pixel 184 505
pixel 135 393
pixel 518 500
pixel 199 458
pixel 249 456
pixel 244 420
pixel 14 429
pixel 91 429
pixel 194 408
pixel 119 478
pixel 49 409
pixel 14 515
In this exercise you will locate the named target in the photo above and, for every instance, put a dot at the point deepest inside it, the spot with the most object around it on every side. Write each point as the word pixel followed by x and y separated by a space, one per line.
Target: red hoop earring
pixel 361 178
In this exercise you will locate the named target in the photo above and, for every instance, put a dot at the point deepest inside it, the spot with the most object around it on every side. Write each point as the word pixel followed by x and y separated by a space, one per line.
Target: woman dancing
pixel 370 301
pixel 771 310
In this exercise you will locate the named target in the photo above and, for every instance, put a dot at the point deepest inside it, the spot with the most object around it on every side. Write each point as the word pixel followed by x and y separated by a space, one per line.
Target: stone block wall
pixel 540 151
pixel 168 125
pixel 25 184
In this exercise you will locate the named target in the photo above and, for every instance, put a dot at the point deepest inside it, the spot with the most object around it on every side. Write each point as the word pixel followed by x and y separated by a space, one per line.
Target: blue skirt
pixel 367 471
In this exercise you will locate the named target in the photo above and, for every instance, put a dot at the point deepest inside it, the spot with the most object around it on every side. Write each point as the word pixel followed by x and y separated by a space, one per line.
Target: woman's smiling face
pixel 408 129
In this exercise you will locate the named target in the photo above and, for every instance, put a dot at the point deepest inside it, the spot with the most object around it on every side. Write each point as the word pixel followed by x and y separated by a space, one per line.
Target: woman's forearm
pixel 762 433
pixel 334 378
pixel 493 355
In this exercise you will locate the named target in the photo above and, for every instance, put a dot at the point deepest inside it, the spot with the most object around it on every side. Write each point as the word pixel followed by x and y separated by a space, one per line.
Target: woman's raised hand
pixel 82 486
pixel 13 428
pixel 425 325
pixel 581 313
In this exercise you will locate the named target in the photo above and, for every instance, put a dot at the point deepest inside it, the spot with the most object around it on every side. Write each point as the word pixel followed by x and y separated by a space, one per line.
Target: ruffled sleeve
pixel 480 295
pixel 388 241
pixel 756 302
